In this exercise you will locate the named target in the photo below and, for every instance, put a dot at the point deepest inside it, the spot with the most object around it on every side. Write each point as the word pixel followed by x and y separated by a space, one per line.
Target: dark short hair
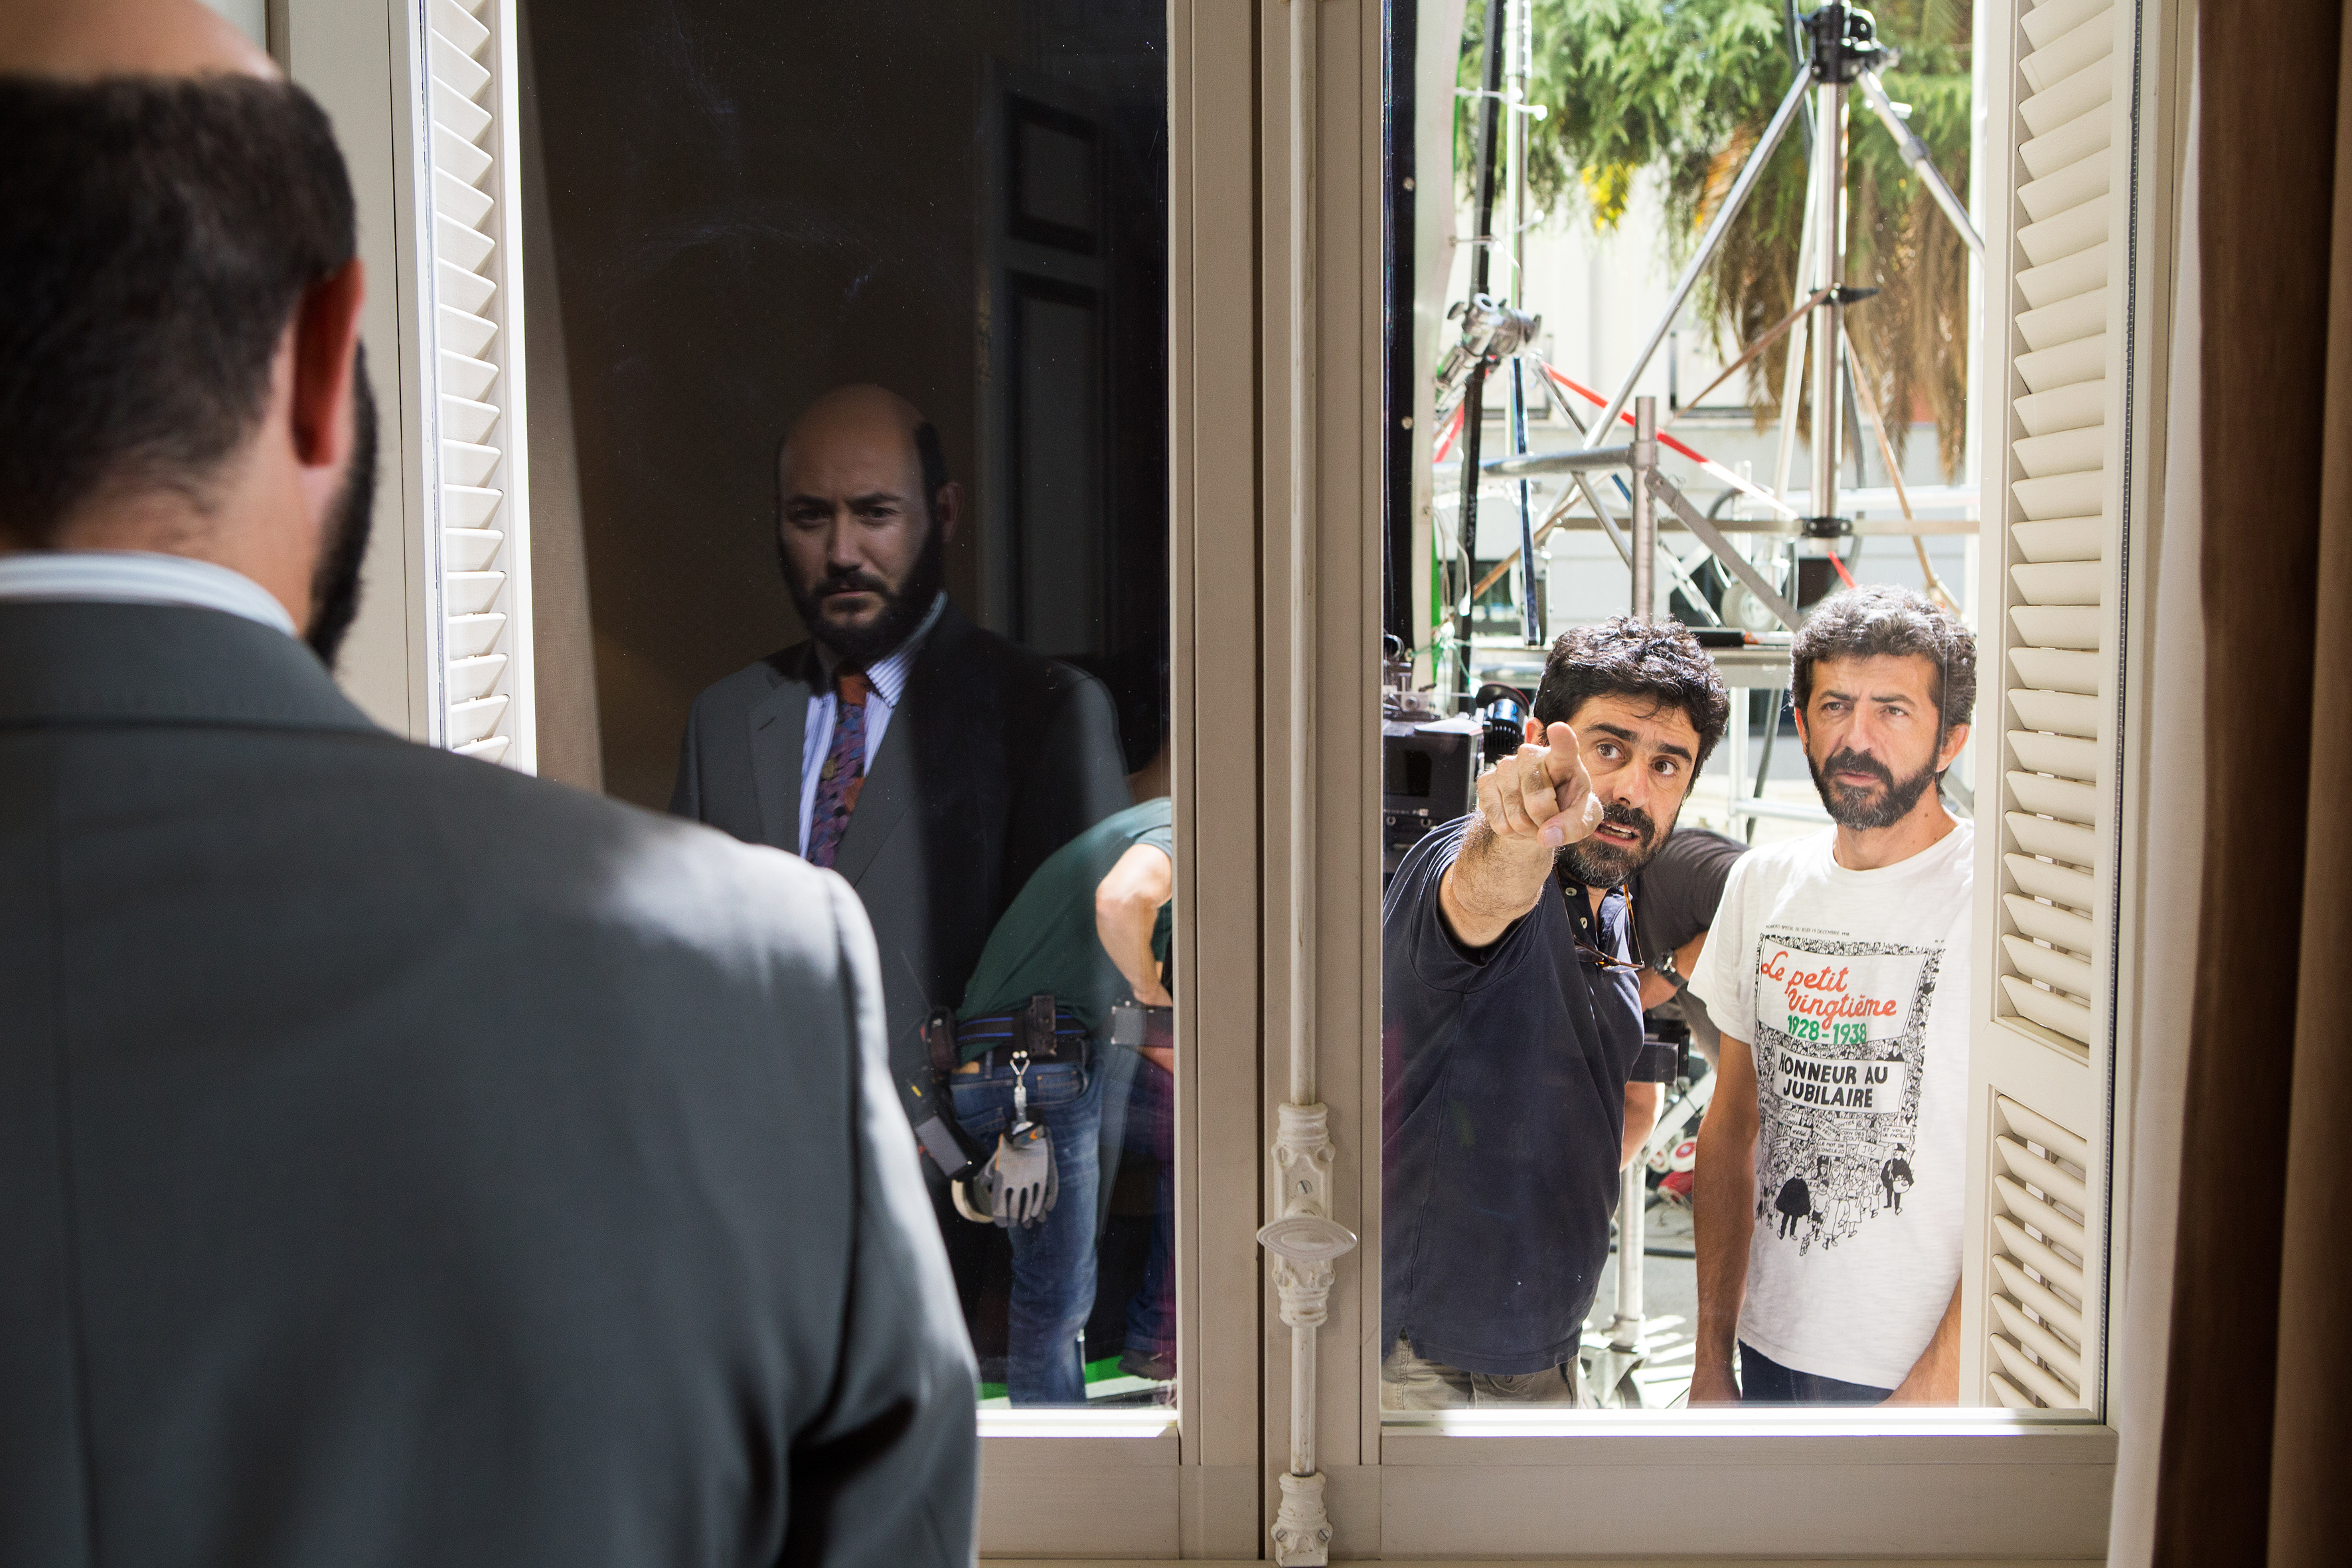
pixel 1864 623
pixel 1621 656
pixel 156 237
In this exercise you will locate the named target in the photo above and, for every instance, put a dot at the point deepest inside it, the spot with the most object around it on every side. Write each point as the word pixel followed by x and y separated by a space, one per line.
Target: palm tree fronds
pixel 1680 91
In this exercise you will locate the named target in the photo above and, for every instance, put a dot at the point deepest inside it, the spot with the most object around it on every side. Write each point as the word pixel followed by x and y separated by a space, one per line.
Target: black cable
pixel 1473 396
pixel 1401 105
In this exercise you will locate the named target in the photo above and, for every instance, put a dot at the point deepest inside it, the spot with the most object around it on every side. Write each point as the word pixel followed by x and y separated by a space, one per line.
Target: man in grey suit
pixel 406 1162
pixel 936 765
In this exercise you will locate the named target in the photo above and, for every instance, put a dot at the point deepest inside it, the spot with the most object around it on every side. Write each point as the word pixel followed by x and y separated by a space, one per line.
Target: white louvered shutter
pixel 2034 1289
pixel 2040 1293
pixel 472 266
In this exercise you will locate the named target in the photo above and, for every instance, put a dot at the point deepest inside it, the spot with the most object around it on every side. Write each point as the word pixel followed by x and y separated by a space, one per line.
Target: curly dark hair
pixel 1622 656
pixel 1864 622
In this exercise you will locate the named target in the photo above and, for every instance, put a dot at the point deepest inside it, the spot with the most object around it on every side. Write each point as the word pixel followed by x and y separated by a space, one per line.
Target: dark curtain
pixel 2254 1461
pixel 2311 1449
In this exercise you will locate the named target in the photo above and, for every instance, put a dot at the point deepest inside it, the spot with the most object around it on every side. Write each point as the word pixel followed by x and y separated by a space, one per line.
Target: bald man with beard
pixel 936 765
pixel 405 1161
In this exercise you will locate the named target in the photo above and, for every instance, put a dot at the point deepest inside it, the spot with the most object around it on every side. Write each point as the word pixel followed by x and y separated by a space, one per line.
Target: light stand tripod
pixel 1845 53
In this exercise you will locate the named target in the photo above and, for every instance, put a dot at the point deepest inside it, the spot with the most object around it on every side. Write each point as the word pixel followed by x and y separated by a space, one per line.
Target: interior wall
pixel 748 203
pixel 569 743
pixel 251 16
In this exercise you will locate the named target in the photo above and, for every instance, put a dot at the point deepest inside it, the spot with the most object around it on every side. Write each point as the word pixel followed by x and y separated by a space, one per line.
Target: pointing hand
pixel 1541 795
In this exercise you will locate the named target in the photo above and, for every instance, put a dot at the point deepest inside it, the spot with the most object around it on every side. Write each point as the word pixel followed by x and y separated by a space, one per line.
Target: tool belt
pixel 1135 1025
pixel 1038 1032
pixel 1048 1032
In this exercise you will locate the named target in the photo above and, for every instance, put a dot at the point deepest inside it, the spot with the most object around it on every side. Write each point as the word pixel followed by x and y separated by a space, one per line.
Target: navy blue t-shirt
pixel 1504 1113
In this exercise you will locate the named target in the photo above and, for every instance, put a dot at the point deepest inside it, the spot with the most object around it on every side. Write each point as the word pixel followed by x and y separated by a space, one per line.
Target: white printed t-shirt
pixel 1851 988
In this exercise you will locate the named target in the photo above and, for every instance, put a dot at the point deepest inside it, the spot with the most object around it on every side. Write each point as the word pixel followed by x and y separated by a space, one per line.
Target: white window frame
pixel 370 63
pixel 1275 359
pixel 1142 1485
pixel 2014 1059
pixel 1982 1482
pixel 1179 1486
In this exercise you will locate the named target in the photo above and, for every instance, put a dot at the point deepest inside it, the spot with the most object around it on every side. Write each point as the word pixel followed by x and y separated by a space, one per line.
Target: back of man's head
pixel 156 236
pixel 1658 661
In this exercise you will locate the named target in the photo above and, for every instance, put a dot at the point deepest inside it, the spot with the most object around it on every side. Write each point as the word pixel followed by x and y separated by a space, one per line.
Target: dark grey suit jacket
pixel 406 1162
pixel 995 758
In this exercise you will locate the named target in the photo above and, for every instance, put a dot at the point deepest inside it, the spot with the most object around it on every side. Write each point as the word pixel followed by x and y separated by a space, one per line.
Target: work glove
pixel 1019 1185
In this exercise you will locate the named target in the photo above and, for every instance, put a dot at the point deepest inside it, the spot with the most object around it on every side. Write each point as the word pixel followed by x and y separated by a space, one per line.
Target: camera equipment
pixel 1429 775
pixel 1490 332
pixel 1504 720
pixel 1505 726
pixel 1844 52
pixel 1399 702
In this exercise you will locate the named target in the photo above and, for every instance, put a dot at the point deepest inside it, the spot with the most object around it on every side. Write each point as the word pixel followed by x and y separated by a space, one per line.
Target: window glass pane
pixel 862 320
pixel 1769 923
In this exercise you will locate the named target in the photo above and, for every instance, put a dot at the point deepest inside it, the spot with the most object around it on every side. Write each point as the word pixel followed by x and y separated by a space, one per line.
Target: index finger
pixel 1565 757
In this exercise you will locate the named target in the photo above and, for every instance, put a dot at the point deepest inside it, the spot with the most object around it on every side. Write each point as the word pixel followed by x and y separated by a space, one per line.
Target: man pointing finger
pixel 1515 1082
pixel 1530 806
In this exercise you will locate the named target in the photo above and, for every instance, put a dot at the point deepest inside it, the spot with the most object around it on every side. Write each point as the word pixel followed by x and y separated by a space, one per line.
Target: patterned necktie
pixel 845 771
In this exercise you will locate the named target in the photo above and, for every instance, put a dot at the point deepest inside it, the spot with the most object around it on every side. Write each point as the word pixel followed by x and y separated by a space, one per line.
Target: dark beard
pixel 1597 863
pixel 1858 810
pixel 902 610
pixel 335 585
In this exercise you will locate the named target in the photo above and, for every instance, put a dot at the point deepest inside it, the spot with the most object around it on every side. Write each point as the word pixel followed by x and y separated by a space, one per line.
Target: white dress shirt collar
pixel 138 577
pixel 886 680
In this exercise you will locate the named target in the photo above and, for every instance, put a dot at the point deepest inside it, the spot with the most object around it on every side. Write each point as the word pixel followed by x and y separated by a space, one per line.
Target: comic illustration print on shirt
pixel 1841 1051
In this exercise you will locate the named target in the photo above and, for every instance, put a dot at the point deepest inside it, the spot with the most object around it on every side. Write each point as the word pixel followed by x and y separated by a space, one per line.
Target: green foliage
pixel 1632 85
pixel 1681 90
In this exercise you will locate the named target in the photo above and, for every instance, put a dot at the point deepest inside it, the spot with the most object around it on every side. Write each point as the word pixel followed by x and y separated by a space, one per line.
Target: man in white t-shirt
pixel 1829 1187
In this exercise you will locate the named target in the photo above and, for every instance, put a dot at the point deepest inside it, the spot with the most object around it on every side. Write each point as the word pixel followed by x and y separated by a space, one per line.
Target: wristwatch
pixel 1664 968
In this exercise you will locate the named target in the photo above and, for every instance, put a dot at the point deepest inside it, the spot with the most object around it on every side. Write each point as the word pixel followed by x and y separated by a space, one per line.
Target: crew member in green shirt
pixel 1090 927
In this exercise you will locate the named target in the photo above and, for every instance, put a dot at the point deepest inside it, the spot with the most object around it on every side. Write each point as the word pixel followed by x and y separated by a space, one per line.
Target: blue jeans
pixel 1763 1381
pixel 1054 1262
pixel 1152 1131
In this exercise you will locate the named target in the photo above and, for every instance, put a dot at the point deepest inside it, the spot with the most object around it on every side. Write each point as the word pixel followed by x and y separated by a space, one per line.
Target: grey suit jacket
pixel 406 1162
pixel 996 758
